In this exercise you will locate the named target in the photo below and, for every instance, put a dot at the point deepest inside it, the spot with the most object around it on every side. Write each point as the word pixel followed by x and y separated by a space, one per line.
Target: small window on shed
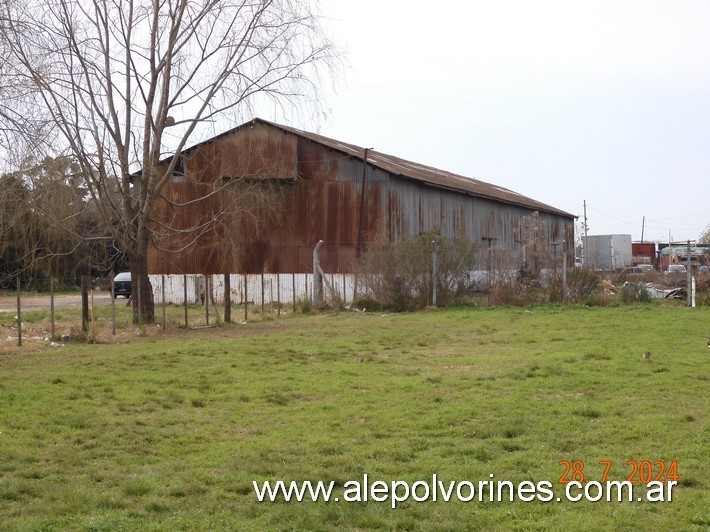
pixel 180 170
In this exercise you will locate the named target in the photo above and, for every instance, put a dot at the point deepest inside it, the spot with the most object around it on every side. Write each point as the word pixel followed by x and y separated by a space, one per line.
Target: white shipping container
pixel 607 252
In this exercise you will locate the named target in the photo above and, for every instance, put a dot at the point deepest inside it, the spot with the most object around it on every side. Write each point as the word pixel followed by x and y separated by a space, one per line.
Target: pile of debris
pixel 660 293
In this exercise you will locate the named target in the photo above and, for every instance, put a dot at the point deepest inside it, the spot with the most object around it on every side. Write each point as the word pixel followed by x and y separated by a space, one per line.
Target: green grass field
pixel 169 432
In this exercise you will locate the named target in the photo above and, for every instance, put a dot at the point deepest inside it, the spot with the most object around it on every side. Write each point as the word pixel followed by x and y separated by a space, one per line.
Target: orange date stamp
pixel 643 471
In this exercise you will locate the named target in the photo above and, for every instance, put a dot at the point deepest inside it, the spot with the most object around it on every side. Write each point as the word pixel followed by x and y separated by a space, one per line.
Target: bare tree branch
pixel 109 73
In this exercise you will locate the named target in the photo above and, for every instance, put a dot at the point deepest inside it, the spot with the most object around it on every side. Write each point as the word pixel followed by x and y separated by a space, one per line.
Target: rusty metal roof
pixel 426 175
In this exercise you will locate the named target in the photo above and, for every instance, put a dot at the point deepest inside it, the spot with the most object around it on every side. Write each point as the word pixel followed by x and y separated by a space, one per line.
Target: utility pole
pixel 689 266
pixel 584 247
pixel 433 272
pixel 19 313
pixel 564 270
pixel 643 225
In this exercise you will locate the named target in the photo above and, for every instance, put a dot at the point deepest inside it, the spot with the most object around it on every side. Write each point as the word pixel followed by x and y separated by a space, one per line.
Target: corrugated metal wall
pixel 275 194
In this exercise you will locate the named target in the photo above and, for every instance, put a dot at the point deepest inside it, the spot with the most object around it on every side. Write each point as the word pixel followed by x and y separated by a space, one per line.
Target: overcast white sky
pixel 563 101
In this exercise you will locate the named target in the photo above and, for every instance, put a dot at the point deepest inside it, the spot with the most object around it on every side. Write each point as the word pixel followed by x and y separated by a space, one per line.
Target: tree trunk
pixel 142 290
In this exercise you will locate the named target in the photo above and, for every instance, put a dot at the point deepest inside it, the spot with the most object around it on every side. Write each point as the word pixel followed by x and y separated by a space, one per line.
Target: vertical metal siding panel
pixel 325 203
pixel 349 174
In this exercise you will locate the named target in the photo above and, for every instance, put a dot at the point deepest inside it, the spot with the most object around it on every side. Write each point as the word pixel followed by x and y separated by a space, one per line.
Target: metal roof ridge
pixel 409 169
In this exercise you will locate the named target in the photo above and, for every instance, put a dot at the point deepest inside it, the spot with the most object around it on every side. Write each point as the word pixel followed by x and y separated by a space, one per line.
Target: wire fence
pixel 421 273
pixel 404 276
pixel 401 276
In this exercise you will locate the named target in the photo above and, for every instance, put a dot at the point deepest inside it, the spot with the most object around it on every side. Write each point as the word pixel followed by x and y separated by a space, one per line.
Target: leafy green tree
pixel 49 226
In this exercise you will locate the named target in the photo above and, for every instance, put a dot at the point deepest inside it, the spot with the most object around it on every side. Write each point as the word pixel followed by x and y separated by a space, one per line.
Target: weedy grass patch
pixel 170 432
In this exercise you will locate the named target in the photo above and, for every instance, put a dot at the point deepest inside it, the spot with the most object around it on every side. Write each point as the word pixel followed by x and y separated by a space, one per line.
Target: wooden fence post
pixel 19 314
pixel 227 298
pixel 85 303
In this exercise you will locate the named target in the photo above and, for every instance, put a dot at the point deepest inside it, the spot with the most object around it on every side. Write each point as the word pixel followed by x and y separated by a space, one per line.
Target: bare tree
pixel 129 83
pixel 704 237
pixel 22 126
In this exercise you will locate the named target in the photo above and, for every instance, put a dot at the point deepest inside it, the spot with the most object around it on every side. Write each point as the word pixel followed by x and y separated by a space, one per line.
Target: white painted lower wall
pixel 259 289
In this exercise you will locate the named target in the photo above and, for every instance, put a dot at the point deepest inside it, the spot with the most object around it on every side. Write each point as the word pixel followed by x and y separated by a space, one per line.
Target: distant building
pixel 678 254
pixel 607 252
pixel 644 253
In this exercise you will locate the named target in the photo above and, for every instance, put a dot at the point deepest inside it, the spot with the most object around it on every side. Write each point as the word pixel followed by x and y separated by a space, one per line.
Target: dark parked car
pixel 122 284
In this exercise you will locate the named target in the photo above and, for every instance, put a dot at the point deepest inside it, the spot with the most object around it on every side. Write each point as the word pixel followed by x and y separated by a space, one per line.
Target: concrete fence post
pixel 316 274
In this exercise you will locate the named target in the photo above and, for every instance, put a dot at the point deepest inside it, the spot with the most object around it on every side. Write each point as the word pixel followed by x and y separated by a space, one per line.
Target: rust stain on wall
pixel 258 198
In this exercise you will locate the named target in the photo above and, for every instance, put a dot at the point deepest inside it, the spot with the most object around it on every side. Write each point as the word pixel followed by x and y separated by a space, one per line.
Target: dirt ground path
pixel 42 302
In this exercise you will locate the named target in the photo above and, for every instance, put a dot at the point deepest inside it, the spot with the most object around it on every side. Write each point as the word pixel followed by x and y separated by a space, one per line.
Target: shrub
pixel 634 292
pixel 517 293
pixel 363 303
pixel 581 284
pixel 504 294
pixel 598 299
pixel 81 336
pixel 702 283
pixel 303 304
pixel 399 275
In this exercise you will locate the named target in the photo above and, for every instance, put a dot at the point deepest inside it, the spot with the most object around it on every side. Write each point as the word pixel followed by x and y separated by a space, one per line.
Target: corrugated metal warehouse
pixel 274 191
